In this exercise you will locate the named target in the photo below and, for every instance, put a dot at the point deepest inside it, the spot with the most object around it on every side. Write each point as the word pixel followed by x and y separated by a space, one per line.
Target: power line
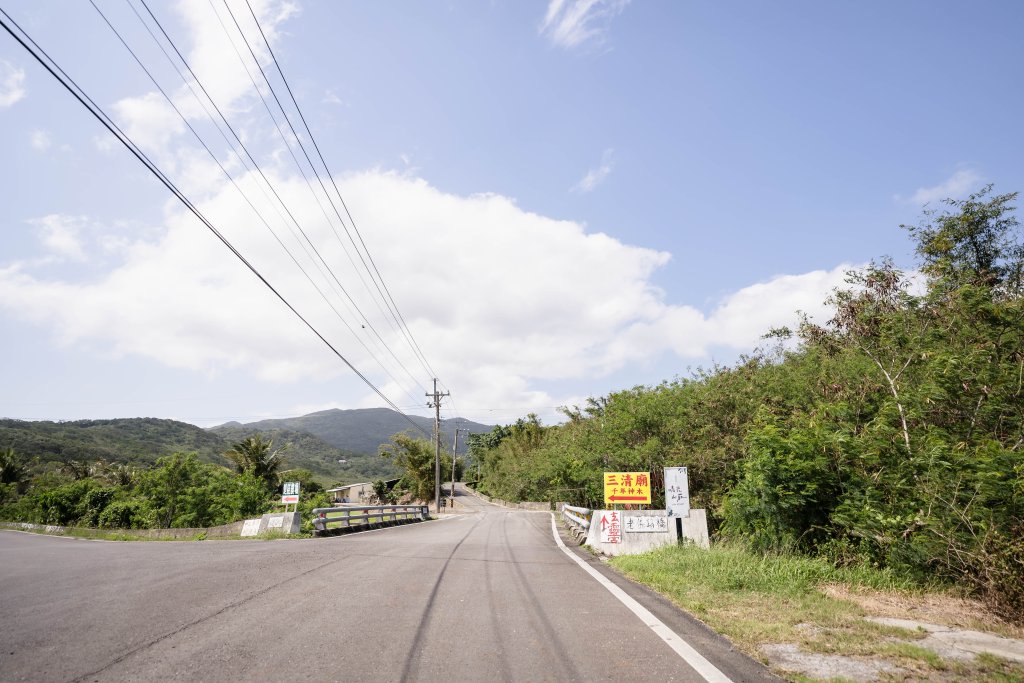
pixel 231 178
pixel 259 171
pixel 316 197
pixel 83 98
pixel 397 312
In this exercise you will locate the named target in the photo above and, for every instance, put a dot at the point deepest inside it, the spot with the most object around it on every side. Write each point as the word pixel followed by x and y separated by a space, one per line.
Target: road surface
pixel 483 596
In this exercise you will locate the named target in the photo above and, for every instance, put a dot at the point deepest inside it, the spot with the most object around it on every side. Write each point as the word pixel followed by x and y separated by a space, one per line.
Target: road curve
pixel 481 596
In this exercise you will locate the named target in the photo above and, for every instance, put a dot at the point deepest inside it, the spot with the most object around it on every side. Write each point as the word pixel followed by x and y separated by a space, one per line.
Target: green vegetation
pixel 138 442
pixel 889 437
pixel 254 455
pixel 179 491
pixel 756 599
pixel 358 431
pixel 327 462
pixel 416 459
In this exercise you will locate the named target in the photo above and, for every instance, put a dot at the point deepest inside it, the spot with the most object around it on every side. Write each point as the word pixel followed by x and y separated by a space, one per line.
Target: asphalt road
pixel 481 596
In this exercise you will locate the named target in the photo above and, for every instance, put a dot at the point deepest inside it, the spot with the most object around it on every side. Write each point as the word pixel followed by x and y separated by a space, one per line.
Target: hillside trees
pixel 891 434
pixel 14 473
pixel 256 456
pixel 177 491
pixel 416 459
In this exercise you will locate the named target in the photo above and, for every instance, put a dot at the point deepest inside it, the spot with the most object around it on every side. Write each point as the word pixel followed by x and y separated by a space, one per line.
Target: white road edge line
pixel 682 648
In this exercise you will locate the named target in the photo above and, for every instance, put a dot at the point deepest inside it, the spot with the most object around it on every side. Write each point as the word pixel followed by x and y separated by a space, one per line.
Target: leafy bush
pixel 126 514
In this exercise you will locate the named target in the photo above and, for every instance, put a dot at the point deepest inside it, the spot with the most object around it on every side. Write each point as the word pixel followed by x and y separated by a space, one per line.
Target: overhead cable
pixel 48 63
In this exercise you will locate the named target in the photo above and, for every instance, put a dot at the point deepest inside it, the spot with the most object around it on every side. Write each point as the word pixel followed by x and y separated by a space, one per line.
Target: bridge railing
pixel 578 519
pixel 333 519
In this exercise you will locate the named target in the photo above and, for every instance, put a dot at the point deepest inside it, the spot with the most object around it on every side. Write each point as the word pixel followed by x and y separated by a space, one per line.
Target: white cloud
pixel 12 83
pixel 40 140
pixel 150 122
pixel 61 236
pixel 500 299
pixel 957 186
pixel 213 57
pixel 570 23
pixel 154 125
pixel 330 97
pixel 596 175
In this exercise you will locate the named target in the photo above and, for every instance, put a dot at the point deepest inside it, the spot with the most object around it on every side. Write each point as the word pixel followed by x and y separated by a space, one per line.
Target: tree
pixel 255 455
pixel 416 458
pixel 975 244
pixel 13 469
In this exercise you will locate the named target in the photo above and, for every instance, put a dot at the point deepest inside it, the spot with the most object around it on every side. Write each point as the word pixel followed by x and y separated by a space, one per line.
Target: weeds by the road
pixel 756 600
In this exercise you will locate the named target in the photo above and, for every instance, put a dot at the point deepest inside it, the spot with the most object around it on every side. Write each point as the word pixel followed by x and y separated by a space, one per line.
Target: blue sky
pixel 564 198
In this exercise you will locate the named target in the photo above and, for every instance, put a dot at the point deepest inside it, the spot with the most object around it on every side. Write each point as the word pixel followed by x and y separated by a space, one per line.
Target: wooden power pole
pixel 436 405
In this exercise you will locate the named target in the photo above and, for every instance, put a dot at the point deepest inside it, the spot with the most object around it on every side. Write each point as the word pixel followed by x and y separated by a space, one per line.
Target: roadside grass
pixel 109 534
pixel 148 535
pixel 755 599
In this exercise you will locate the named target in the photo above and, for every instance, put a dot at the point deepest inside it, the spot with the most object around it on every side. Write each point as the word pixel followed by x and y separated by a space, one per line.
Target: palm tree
pixel 254 455
pixel 13 470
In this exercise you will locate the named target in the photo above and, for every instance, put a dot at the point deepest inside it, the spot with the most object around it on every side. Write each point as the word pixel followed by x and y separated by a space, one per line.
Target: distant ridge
pixel 337 446
pixel 360 430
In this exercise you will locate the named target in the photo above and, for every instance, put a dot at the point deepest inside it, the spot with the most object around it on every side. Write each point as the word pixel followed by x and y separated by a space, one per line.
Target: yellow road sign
pixel 627 488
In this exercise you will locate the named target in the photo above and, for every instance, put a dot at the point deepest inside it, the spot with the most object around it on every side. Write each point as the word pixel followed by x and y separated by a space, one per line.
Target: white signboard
pixel 639 524
pixel 290 493
pixel 251 527
pixel 611 526
pixel 677 492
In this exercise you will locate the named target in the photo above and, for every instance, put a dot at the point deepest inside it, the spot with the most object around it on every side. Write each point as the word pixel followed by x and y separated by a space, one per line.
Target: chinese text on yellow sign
pixel 627 488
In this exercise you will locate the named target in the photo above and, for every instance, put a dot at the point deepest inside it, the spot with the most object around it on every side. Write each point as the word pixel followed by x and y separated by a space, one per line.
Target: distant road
pixel 482 596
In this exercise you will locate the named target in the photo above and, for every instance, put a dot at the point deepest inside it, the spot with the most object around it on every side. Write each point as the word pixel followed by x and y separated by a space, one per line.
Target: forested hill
pixel 143 440
pixel 328 463
pixel 337 446
pixel 357 431
pixel 139 439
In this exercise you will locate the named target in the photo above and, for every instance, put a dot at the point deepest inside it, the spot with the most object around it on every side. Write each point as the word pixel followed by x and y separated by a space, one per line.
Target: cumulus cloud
pixel 40 140
pixel 957 186
pixel 570 23
pixel 596 175
pixel 153 124
pixel 12 83
pixel 331 97
pixel 61 236
pixel 500 299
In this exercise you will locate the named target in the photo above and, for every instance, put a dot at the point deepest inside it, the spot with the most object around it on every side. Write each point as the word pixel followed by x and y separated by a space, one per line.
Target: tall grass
pixel 732 567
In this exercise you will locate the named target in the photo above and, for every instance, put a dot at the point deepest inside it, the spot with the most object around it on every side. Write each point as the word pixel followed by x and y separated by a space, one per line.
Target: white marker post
pixel 677 492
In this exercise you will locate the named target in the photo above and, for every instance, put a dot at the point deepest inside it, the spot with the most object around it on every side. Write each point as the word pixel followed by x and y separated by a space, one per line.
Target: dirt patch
pixel 955 643
pixel 947 610
pixel 791 658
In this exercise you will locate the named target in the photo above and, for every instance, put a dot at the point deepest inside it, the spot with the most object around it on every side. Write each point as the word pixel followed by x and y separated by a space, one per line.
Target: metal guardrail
pixel 332 519
pixel 578 519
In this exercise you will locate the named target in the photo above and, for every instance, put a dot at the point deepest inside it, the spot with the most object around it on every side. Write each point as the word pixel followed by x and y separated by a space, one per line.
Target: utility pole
pixel 455 454
pixel 436 405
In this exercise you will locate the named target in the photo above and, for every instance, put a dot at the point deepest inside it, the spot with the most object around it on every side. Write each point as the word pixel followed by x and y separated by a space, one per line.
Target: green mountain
pixel 331 465
pixel 337 446
pixel 362 430
pixel 142 439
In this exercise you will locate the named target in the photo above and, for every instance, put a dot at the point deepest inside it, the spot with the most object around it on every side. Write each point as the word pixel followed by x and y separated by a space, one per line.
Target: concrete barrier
pixel 642 530
pixel 187 534
pixel 277 522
